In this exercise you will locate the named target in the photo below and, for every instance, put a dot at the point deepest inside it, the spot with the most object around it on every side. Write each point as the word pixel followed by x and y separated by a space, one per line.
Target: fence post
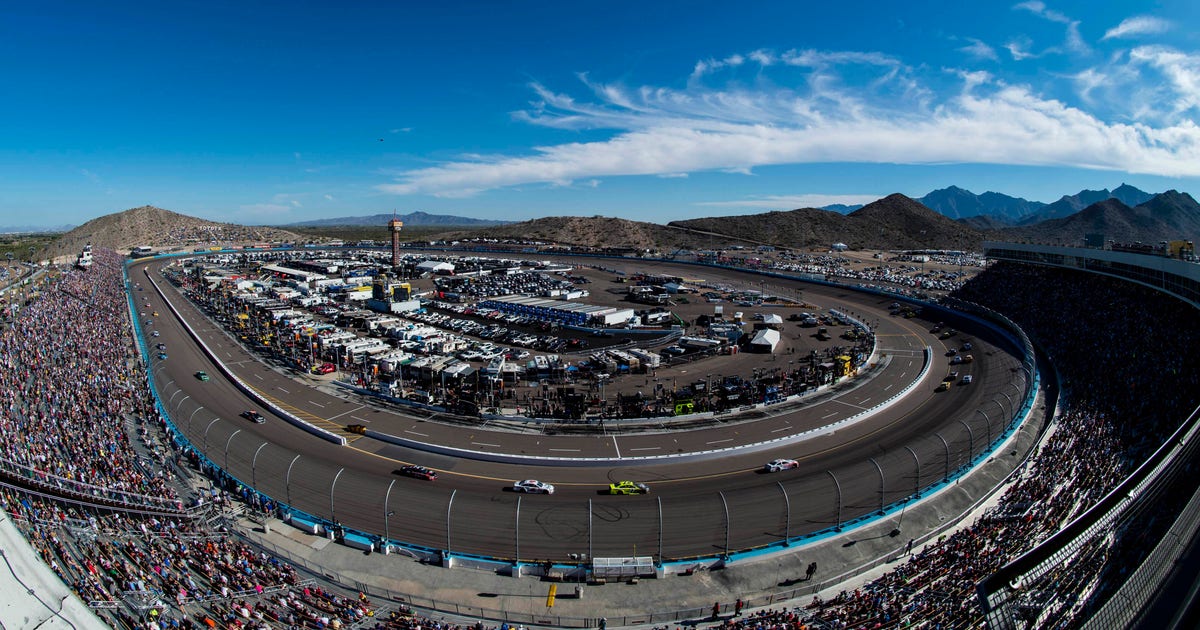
pixel 881 482
pixel 787 519
pixel 917 482
pixel 449 505
pixel 837 486
pixel 726 504
pixel 947 445
pixel 333 485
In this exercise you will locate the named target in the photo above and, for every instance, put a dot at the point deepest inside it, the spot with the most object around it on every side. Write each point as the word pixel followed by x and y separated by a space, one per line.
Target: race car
pixel 253 416
pixel 419 472
pixel 533 486
pixel 777 465
pixel 628 487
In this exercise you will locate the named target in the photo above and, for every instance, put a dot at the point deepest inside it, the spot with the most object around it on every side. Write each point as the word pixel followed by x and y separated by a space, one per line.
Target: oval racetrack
pixel 699 506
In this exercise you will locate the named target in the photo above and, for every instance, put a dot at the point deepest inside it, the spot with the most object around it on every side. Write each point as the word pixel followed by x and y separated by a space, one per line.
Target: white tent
pixel 765 340
pixel 435 266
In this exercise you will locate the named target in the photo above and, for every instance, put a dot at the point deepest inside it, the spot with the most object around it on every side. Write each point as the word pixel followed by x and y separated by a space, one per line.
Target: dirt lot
pixel 610 289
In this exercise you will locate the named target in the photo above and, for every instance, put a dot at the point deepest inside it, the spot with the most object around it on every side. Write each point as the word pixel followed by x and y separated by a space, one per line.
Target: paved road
pixel 468 511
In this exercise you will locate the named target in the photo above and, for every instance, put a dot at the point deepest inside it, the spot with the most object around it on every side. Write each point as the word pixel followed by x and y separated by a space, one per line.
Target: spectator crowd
pixel 1123 394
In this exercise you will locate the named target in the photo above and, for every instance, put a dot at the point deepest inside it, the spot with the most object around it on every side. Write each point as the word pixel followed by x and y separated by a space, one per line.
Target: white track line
pixel 345 412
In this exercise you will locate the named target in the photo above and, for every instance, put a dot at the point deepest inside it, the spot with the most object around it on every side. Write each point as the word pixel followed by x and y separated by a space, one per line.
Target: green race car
pixel 628 487
pixel 202 375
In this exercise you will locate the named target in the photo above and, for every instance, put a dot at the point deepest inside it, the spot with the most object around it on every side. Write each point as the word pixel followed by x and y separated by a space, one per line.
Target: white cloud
pixel 1181 71
pixel 887 116
pixel 400 130
pixel 1074 42
pixel 762 57
pixel 328 197
pixel 292 199
pixel 1038 8
pixel 979 50
pixel 1019 49
pixel 708 66
pixel 791 202
pixel 1088 80
pixel 1138 25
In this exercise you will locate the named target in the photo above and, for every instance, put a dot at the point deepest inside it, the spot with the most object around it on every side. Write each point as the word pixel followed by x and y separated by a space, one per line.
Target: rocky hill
pixel 597 231
pixel 160 229
pixel 1178 212
pixel 1168 216
pixel 894 222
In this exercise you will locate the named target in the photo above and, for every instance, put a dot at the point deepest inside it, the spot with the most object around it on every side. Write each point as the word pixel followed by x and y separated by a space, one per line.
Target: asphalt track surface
pixel 698 507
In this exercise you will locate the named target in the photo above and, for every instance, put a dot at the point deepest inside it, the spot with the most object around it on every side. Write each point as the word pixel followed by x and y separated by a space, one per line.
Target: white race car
pixel 777 465
pixel 533 486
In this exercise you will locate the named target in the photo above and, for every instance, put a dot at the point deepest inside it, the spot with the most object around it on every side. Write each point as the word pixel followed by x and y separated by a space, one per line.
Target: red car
pixel 420 472
pixel 324 368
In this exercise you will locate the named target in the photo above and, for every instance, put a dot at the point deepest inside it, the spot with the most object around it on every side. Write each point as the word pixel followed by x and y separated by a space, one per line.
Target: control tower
pixel 394 226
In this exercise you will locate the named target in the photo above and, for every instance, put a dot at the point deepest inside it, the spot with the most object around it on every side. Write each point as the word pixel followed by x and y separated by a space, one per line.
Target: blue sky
pixel 273 112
